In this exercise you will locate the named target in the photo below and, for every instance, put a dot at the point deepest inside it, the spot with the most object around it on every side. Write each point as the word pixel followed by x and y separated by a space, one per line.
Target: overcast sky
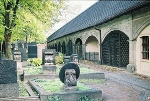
pixel 75 7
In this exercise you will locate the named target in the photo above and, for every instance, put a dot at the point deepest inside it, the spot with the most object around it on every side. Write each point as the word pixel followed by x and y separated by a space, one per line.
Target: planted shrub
pixel 59 58
pixel 35 61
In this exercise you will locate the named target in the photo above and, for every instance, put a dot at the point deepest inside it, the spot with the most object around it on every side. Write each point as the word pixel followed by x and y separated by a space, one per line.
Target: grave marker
pixel 48 61
pixel 68 75
pixel 8 79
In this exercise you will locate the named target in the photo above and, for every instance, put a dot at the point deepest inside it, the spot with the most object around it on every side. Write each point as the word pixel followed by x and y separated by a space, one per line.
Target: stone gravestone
pixel 17 56
pixel 48 61
pixel 75 58
pixel 68 75
pixel 32 50
pixel 23 49
pixel 8 79
pixel 66 59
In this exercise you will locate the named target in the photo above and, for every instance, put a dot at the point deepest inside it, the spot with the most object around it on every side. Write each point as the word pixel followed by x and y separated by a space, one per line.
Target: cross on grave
pixel 68 75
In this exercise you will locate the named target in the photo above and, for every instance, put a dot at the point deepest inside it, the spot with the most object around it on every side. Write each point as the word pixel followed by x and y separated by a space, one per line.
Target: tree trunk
pixel 7 37
pixel 9 24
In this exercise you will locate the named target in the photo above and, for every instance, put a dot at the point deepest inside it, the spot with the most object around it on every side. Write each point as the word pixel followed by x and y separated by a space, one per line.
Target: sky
pixel 75 7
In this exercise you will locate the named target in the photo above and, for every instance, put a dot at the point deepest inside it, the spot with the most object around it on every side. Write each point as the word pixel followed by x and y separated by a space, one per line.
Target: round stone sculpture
pixel 68 66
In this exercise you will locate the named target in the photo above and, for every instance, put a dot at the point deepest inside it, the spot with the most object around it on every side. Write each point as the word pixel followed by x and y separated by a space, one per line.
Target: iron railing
pixel 92 56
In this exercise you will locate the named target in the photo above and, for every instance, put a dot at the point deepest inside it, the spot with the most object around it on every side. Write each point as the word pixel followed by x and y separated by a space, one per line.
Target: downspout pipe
pixel 100 45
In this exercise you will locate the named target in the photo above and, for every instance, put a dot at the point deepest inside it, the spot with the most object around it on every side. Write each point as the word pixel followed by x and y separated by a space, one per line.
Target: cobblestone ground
pixel 119 85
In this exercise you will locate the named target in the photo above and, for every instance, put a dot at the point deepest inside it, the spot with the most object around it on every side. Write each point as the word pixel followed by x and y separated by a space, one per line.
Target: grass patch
pixel 86 70
pixel 38 70
pixel 55 85
pixel 34 70
pixel 92 81
pixel 22 90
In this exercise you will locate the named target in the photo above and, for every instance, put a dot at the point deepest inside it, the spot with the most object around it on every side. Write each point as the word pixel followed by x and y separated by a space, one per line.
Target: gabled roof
pixel 98 13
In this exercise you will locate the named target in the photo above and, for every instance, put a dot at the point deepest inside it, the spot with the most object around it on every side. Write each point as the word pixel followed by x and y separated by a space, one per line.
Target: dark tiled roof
pixel 98 13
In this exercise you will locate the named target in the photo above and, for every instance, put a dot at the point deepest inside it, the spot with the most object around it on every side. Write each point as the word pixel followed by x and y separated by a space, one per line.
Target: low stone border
pixel 96 75
pixel 66 96
pixel 27 77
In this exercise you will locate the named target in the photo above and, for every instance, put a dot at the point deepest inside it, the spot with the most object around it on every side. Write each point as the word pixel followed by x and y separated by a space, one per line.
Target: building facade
pixel 120 40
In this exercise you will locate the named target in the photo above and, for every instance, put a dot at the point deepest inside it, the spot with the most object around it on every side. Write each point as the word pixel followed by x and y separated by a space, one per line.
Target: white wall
pixel 143 65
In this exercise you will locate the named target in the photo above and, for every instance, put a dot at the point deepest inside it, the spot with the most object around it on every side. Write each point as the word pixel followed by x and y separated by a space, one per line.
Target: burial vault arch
pixel 115 49
pixel 78 47
pixel 92 44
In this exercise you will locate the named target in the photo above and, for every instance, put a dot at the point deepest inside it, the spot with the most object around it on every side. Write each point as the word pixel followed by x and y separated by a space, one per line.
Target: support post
pixel 100 45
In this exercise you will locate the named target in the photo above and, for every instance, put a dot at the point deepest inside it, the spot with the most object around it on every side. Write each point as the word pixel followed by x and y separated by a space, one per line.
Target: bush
pixel 35 61
pixel 59 58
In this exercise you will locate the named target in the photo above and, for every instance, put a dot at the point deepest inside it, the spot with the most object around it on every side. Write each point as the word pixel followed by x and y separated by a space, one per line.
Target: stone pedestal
pixel 49 69
pixel 19 66
pixel 71 88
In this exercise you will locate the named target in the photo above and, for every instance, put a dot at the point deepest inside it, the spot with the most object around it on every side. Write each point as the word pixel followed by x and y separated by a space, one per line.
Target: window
pixel 145 47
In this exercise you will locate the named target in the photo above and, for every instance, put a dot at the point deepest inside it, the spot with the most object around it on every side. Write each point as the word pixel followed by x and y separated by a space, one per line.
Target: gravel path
pixel 121 85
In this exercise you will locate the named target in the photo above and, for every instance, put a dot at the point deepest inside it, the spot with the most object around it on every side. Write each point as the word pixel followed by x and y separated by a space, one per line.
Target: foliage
pixel 82 98
pixel 86 98
pixel 27 19
pixel 59 58
pixel 22 90
pixel 53 98
pixel 35 61
pixel 33 17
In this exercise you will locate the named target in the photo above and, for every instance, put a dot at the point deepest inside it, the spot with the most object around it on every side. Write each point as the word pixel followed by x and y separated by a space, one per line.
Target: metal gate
pixel 115 49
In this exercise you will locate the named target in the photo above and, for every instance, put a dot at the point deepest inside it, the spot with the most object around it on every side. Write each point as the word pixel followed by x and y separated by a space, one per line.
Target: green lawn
pixel 38 70
pixel 55 85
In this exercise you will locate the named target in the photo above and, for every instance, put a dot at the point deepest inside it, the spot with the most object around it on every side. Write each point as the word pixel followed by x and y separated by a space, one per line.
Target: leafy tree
pixel 21 18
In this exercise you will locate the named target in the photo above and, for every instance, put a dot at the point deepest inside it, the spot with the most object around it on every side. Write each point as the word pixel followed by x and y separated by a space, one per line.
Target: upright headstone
pixel 68 75
pixel 66 59
pixel 8 79
pixel 22 48
pixel 17 56
pixel 32 50
pixel 48 61
pixel 74 58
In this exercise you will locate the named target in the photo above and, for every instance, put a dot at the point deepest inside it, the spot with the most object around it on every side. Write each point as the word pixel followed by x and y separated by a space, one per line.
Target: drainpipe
pixel 100 45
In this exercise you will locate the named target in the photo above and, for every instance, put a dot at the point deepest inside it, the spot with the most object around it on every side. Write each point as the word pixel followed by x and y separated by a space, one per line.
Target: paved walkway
pixel 121 85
